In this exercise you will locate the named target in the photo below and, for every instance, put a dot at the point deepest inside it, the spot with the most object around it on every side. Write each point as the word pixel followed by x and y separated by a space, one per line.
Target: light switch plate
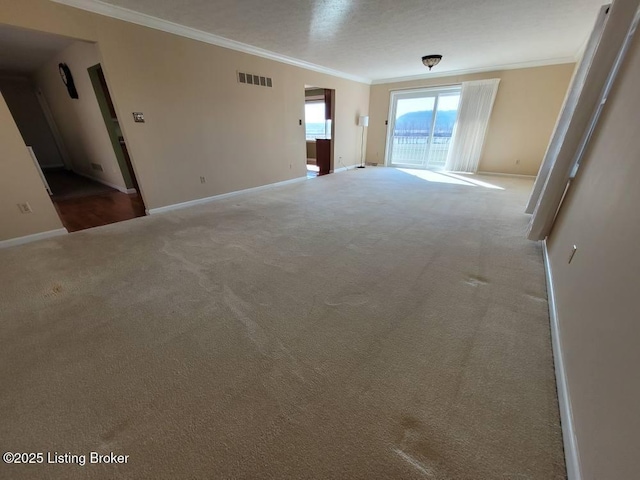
pixel 138 117
pixel 25 207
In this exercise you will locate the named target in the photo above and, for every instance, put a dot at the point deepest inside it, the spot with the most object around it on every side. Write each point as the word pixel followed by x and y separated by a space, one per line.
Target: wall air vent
pixel 252 79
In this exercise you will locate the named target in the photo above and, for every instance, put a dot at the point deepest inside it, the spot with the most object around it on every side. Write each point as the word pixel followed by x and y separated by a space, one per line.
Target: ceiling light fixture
pixel 431 60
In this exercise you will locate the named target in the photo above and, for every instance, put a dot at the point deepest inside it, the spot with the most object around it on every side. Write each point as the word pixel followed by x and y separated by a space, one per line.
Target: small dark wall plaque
pixel 138 117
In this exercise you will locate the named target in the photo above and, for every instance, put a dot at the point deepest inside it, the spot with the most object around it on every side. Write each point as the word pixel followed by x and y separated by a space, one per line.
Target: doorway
pixel 421 127
pixel 56 91
pixel 319 108
pixel 110 117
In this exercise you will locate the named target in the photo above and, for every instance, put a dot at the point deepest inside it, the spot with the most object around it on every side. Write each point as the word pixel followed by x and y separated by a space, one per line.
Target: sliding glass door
pixel 421 126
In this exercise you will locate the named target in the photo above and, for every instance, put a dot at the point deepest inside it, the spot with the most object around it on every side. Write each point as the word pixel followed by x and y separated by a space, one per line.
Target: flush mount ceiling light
pixel 431 60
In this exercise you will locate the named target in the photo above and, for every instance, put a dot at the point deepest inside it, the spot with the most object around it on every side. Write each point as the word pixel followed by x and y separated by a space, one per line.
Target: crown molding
pixel 496 68
pixel 121 13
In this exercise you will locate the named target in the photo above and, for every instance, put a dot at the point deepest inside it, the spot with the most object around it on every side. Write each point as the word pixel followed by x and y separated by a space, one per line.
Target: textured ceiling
pixel 24 51
pixel 379 39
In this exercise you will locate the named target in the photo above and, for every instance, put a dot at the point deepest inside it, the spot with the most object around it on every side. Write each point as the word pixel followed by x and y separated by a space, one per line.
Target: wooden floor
pixel 82 203
pixel 66 184
pixel 93 211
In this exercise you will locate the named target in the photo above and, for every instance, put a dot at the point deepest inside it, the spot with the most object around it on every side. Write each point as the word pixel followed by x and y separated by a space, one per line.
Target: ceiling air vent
pixel 252 79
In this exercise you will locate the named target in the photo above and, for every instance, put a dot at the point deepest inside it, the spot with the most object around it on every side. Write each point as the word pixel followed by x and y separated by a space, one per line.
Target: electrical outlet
pixel 25 207
pixel 203 180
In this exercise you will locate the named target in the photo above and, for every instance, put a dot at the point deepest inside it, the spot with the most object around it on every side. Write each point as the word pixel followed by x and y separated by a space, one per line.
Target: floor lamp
pixel 363 121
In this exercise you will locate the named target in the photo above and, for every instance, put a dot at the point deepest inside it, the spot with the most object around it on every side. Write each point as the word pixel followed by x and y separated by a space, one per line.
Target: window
pixel 316 125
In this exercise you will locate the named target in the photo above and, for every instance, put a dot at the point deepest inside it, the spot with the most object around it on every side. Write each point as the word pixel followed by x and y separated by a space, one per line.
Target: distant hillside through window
pixel 420 122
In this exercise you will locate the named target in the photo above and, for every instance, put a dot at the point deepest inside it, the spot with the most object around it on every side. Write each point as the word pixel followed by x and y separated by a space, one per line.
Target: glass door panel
pixel 446 116
pixel 412 131
pixel 421 127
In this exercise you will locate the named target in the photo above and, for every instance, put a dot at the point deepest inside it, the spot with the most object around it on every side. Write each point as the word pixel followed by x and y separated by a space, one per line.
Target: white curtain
pixel 474 111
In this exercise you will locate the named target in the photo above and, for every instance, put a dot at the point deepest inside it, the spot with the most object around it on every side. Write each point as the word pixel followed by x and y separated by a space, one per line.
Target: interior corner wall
pixel 27 113
pixel 21 183
pixel 596 295
pixel 199 120
pixel 80 121
pixel 523 117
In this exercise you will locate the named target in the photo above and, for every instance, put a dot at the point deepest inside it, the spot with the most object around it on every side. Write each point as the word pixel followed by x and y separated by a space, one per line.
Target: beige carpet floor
pixel 365 325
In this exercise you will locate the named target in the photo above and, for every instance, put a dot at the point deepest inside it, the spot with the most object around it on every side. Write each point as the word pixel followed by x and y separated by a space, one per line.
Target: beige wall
pixel 597 295
pixel 20 183
pixel 26 111
pixel 80 120
pixel 311 149
pixel 199 120
pixel 523 117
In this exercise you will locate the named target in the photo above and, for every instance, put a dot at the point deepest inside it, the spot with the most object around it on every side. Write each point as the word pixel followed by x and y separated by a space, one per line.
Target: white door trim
pixel 394 95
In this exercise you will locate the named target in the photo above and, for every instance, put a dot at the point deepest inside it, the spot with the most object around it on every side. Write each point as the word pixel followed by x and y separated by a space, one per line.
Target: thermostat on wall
pixel 138 117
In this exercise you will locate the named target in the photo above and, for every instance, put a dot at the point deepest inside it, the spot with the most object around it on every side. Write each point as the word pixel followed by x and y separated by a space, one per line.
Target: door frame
pixel 394 95
pixel 329 97
pixel 110 117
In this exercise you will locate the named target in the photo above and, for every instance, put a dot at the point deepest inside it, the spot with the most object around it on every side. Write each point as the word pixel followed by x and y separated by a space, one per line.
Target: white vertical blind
pixel 618 30
pixel 568 108
pixel 476 104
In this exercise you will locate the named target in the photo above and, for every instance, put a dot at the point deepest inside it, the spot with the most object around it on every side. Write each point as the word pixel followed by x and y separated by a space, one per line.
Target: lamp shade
pixel 363 121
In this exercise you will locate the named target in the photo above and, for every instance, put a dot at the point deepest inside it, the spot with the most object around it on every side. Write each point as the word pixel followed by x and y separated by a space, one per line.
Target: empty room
pixel 337 239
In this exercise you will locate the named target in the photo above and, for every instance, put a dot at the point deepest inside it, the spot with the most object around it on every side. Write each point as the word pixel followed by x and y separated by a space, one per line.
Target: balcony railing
pixel 419 150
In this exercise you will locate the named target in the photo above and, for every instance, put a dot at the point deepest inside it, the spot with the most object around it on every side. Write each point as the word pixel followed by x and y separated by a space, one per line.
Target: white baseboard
pixel 199 201
pixel 343 169
pixel 108 184
pixel 572 457
pixel 12 242
pixel 506 174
